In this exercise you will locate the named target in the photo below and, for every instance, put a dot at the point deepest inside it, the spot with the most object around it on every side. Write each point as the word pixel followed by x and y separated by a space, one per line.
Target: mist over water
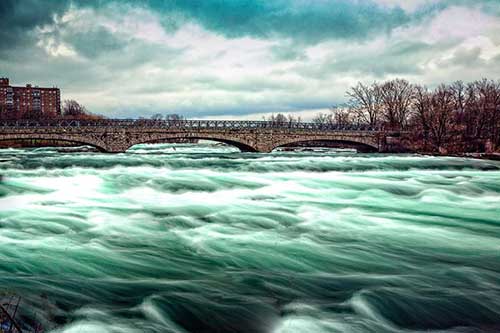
pixel 203 238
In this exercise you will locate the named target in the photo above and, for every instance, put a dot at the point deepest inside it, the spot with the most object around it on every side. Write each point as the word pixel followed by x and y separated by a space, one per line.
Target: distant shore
pixel 479 156
pixel 482 156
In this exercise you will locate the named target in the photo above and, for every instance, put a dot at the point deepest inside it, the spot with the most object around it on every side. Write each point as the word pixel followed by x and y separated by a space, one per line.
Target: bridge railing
pixel 183 124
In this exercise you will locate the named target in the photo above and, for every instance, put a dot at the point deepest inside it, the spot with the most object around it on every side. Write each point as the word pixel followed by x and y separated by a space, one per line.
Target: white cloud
pixel 457 23
pixel 305 115
pixel 56 48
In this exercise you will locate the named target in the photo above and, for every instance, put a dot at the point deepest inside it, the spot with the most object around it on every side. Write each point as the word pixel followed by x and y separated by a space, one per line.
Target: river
pixel 202 238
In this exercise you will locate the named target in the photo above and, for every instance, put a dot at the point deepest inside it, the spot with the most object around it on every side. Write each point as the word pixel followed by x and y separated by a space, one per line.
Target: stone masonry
pixel 116 138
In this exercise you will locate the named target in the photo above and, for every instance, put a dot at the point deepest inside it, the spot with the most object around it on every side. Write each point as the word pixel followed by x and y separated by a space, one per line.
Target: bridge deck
pixel 187 124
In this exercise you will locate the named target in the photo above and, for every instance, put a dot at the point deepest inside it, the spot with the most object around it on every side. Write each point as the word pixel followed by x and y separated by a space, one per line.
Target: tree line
pixel 71 109
pixel 74 110
pixel 456 117
pixel 451 118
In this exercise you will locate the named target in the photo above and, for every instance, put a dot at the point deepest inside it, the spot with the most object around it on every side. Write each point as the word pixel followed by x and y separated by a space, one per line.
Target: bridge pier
pixel 393 144
pixel 263 148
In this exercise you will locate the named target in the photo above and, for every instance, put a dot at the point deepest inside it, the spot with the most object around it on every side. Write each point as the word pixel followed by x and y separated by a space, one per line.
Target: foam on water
pixel 202 238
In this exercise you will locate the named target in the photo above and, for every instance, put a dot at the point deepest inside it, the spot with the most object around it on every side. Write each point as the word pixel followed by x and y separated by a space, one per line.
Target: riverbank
pixel 483 156
pixel 479 156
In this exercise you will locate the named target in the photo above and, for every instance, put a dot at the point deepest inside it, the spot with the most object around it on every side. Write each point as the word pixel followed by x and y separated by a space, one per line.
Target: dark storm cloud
pixel 305 21
pixel 19 21
pixel 96 41
pixel 27 14
pixel 300 20
pixel 19 18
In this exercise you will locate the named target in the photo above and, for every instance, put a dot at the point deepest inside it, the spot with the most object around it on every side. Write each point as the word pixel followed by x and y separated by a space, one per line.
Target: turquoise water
pixel 202 238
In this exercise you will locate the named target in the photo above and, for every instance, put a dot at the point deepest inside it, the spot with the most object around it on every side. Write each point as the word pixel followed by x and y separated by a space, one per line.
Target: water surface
pixel 202 238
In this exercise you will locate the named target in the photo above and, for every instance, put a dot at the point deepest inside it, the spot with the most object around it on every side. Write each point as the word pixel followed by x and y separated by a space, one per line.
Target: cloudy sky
pixel 241 58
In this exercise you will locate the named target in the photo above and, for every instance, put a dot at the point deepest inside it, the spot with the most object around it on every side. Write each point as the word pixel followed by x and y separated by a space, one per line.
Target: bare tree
pixel 440 115
pixel 488 106
pixel 365 101
pixel 459 94
pixel 72 108
pixel 460 117
pixel 157 116
pixel 278 119
pixel 323 118
pixel 293 119
pixel 422 105
pixel 174 116
pixel 342 116
pixel 396 97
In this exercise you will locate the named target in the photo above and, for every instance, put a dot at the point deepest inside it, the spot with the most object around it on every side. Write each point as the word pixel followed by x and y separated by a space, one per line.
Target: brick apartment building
pixel 28 102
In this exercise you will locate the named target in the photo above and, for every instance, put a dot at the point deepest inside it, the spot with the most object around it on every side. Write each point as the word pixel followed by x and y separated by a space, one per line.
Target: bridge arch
pixel 364 146
pixel 81 140
pixel 235 142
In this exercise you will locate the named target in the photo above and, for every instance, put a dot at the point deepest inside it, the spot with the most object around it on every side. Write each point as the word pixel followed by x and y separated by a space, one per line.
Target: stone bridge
pixel 117 135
